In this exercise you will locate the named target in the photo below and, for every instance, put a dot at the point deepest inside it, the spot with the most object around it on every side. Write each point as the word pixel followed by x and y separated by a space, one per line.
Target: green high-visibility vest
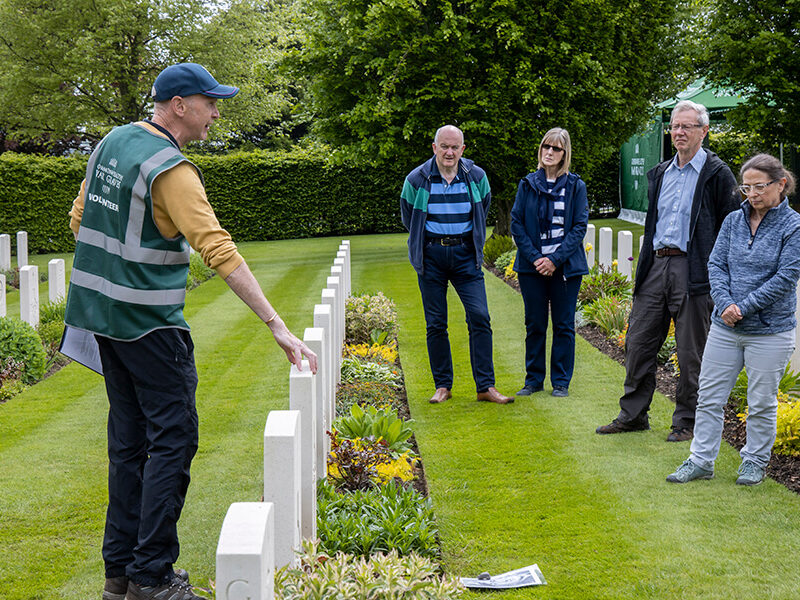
pixel 127 279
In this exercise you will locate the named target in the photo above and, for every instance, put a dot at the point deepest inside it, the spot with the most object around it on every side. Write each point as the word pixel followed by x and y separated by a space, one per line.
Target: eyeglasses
pixel 553 148
pixel 756 188
pixel 687 127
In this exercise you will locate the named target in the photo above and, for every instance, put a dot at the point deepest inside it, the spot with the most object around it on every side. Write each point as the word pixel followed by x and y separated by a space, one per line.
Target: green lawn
pixel 511 485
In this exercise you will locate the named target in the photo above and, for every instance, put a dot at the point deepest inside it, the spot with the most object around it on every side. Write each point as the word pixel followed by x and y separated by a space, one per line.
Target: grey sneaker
pixel 750 473
pixel 177 589
pixel 527 390
pixel 689 471
pixel 559 391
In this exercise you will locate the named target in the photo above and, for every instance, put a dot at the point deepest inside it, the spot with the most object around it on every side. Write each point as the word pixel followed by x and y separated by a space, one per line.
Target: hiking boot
pixel 617 426
pixel 177 589
pixel 559 391
pixel 689 471
pixel 116 587
pixel 750 473
pixel 681 434
pixel 527 390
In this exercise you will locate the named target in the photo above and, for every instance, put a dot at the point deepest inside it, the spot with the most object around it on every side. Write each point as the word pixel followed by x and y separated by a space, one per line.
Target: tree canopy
pixel 384 74
pixel 752 48
pixel 74 68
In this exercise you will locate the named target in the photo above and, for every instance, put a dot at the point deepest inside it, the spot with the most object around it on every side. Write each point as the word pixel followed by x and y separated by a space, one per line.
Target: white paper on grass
pixel 524 577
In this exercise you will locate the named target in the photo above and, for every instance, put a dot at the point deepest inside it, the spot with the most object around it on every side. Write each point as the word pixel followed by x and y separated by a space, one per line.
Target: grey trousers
pixel 664 296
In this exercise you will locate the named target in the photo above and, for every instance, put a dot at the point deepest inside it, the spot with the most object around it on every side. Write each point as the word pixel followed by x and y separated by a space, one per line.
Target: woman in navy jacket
pixel 548 223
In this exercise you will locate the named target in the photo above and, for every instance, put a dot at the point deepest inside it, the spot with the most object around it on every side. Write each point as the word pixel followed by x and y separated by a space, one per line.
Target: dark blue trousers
pixel 557 297
pixel 456 265
pixel 152 438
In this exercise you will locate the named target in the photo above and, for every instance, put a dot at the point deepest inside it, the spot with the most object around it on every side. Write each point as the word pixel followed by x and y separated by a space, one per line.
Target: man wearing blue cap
pixel 140 207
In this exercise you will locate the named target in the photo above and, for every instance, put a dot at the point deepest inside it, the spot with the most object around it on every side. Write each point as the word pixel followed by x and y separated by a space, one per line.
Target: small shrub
pixel 505 259
pixel 12 279
pixel 391 517
pixel 376 423
pixel 366 314
pixel 52 311
pixel 19 341
pixel 788 439
pixel 50 334
pixel 379 577
pixel 380 353
pixel 602 282
pixel 353 464
pixel 495 246
pixel 354 369
pixel 198 271
pixel 366 393
pixel 10 378
pixel 609 313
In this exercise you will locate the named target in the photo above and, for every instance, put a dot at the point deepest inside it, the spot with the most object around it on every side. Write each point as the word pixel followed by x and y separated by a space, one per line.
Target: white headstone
pixel 588 244
pixel 330 297
pixel 282 483
pixel 341 295
pixel 56 280
pixel 5 252
pixel 625 253
pixel 302 397
pixel 314 338
pixel 323 319
pixel 340 262
pixel 604 250
pixel 29 294
pixel 22 248
pixel 2 295
pixel 245 561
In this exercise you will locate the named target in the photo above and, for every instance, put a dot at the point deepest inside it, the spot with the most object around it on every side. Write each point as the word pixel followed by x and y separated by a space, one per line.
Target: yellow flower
pixel 589 247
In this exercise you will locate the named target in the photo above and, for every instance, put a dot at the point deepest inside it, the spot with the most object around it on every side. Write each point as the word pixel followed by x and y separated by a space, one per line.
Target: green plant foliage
pixel 50 334
pixel 787 440
pixel 609 313
pixel 495 246
pixel 10 378
pixel 372 393
pixel 19 341
pixel 601 282
pixel 198 272
pixel 52 311
pixel 354 369
pixel 353 464
pixel 369 312
pixel 789 385
pixel 378 577
pixel 376 423
pixel 505 259
pixel 382 519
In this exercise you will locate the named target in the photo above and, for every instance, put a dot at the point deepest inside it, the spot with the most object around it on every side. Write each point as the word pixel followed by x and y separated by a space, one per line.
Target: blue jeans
pixel 765 358
pixel 152 438
pixel 456 265
pixel 558 297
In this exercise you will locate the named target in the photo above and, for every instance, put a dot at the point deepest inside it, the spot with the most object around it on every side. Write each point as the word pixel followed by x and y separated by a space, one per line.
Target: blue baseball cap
pixel 187 79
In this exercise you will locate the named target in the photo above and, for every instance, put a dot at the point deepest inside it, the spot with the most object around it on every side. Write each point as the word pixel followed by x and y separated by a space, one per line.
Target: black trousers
pixel 663 296
pixel 152 438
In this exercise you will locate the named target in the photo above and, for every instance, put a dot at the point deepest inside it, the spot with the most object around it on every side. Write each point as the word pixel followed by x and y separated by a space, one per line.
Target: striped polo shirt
pixel 551 240
pixel 449 206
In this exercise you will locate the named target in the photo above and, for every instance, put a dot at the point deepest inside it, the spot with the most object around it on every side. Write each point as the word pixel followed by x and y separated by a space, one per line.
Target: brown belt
pixel 661 252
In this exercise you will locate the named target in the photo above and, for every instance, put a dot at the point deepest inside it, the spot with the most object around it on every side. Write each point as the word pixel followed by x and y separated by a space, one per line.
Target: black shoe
pixel 617 426
pixel 527 390
pixel 680 434
pixel 177 589
pixel 115 588
pixel 559 391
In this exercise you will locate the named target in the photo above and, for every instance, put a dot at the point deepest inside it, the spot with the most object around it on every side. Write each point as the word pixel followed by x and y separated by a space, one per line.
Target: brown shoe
pixel 440 395
pixel 681 434
pixel 492 395
pixel 617 426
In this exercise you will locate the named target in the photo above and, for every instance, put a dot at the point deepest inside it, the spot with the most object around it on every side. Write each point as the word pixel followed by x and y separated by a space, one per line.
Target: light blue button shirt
pixel 675 202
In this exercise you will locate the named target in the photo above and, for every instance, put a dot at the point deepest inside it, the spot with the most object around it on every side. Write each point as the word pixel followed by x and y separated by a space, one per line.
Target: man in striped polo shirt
pixel 443 204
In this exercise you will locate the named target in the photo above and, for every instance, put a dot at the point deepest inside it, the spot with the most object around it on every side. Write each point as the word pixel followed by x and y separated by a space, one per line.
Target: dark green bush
pixel 19 341
pixel 602 282
pixel 377 520
pixel 495 246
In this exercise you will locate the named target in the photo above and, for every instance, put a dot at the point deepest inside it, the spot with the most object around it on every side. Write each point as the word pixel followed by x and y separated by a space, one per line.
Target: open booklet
pixel 81 346
pixel 524 577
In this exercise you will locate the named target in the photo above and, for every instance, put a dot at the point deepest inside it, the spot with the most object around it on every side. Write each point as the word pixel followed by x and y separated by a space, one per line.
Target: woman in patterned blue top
pixel 548 222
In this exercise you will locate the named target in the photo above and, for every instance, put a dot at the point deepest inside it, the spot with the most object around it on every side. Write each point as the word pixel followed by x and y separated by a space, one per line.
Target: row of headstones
pixel 604 250
pixel 29 289
pixel 259 537
pixel 5 250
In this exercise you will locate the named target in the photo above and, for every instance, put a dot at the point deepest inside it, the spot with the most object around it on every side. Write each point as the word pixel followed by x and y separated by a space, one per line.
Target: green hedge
pixel 257 196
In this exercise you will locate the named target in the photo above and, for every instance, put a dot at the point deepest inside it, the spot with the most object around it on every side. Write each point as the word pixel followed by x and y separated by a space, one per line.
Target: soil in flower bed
pixel 419 483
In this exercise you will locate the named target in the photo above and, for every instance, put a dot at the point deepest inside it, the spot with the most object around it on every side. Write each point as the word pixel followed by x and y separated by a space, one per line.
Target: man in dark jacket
pixel 689 196
pixel 443 204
